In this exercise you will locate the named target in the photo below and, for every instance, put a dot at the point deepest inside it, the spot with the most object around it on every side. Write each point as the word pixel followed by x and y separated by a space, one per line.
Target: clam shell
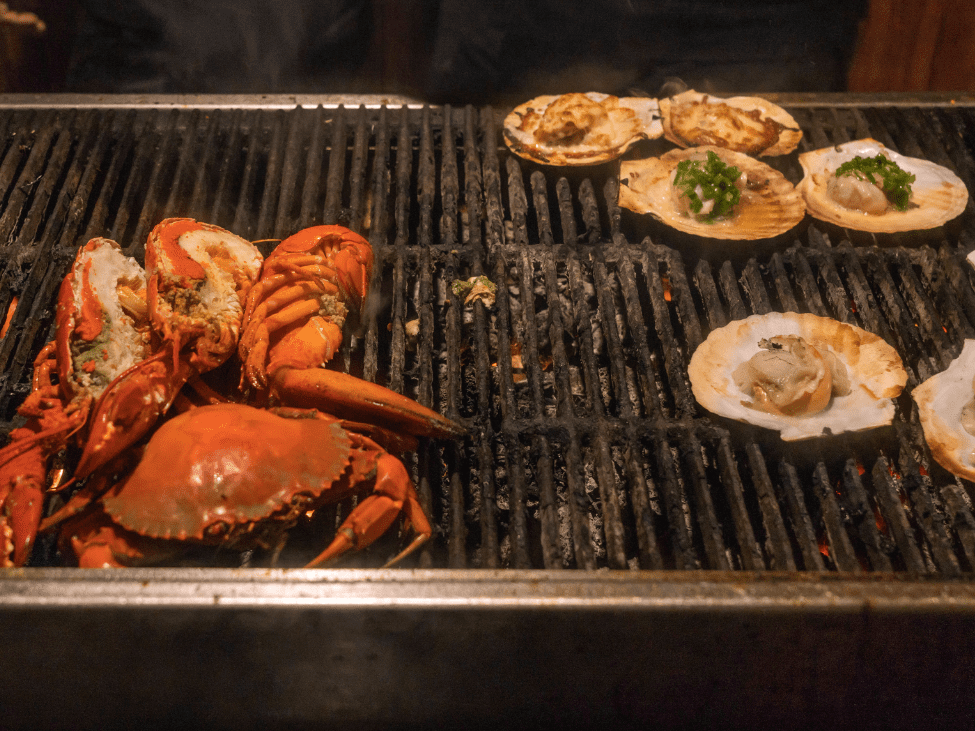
pixel 938 194
pixel 764 212
pixel 874 368
pixel 940 400
pixel 746 124
pixel 630 119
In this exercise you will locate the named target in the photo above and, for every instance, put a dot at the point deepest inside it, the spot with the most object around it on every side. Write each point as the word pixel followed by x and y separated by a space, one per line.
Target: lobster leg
pixel 351 398
pixel 393 494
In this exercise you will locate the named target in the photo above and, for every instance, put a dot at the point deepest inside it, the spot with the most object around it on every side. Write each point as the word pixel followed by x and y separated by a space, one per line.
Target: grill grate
pixel 587 449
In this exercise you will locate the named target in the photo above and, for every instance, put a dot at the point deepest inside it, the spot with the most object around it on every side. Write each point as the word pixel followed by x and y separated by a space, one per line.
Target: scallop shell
pixel 746 124
pixel 630 119
pixel 764 212
pixel 938 194
pixel 874 368
pixel 940 400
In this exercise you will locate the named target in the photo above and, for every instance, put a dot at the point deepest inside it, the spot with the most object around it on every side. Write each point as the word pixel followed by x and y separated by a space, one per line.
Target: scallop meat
pixel 802 375
pixel 935 196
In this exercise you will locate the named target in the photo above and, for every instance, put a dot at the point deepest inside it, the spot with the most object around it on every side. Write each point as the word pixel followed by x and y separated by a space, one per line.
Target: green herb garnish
pixel 895 183
pixel 716 181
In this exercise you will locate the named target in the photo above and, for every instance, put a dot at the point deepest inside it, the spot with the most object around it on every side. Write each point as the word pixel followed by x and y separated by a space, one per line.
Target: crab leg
pixel 351 398
pixel 393 494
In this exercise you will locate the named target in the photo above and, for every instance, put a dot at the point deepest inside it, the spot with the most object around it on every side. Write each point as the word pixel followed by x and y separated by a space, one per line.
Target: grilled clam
pixel 946 407
pixel 580 129
pixel 799 374
pixel 742 123
pixel 879 190
pixel 768 205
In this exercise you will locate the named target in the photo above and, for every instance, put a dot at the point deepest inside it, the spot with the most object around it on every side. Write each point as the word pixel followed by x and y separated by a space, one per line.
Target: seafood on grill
pixel 293 326
pixel 946 408
pixel 102 330
pixel 766 203
pixel 241 477
pixel 197 277
pixel 800 374
pixel 257 471
pixel 745 124
pixel 580 129
pixel 866 186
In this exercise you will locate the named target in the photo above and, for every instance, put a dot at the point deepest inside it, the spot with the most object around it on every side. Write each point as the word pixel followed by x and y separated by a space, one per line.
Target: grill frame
pixel 852 617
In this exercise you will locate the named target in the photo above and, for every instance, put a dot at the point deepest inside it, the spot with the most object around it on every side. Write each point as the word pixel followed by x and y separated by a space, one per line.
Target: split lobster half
pixel 227 473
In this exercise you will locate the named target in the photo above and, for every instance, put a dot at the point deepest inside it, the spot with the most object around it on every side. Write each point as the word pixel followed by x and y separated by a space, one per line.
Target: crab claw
pixel 21 502
pixel 352 398
pixel 130 406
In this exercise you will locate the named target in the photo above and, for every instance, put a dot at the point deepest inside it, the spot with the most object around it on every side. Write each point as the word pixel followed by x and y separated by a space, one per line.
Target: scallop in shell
pixel 746 124
pixel 580 129
pixel 872 367
pixel 937 194
pixel 769 205
pixel 945 406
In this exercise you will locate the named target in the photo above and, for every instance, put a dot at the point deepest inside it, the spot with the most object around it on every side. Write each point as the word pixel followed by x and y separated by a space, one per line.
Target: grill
pixel 846 560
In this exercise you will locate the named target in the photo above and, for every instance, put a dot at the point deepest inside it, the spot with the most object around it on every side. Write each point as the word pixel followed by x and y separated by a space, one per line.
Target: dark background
pixel 499 52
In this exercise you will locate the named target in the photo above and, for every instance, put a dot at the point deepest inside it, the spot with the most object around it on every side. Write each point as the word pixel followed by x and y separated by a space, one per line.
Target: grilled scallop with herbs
pixel 865 186
pixel 802 375
pixel 712 192
pixel 580 129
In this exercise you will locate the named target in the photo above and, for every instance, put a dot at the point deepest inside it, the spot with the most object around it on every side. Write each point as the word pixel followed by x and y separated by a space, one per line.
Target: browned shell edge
pixel 535 153
pixel 781 147
pixel 940 438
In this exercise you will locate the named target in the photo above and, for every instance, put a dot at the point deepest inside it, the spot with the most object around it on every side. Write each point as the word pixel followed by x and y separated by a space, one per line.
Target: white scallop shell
pixel 938 195
pixel 764 212
pixel 631 119
pixel 745 124
pixel 940 401
pixel 874 369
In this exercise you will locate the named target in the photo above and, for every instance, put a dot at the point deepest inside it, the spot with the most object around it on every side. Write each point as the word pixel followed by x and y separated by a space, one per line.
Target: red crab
pixel 241 476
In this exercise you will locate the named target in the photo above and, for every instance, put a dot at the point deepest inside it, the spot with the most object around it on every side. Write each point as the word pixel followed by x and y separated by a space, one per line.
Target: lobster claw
pixel 348 397
pixel 130 407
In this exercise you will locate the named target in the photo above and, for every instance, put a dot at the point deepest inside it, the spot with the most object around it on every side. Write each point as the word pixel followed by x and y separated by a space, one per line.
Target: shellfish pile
pixel 839 184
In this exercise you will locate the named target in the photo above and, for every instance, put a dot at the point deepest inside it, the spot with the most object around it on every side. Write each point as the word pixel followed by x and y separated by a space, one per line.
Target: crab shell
pixel 938 195
pixel 874 369
pixel 767 210
pixel 940 401
pixel 214 468
pixel 630 119
pixel 741 123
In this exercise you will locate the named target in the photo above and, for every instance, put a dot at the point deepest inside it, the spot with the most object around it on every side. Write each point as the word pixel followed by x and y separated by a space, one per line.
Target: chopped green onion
pixel 895 182
pixel 716 181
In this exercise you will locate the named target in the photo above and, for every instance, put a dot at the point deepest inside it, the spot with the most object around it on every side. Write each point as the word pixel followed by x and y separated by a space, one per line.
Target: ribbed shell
pixel 634 119
pixel 228 464
pixel 940 401
pixel 875 371
pixel 745 124
pixel 764 212
pixel 938 194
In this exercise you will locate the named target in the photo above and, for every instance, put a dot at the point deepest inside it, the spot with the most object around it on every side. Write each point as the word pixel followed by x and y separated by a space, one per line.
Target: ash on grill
pixel 587 449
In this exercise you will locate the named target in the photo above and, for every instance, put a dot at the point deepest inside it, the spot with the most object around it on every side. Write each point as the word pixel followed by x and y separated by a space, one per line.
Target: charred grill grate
pixel 587 449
